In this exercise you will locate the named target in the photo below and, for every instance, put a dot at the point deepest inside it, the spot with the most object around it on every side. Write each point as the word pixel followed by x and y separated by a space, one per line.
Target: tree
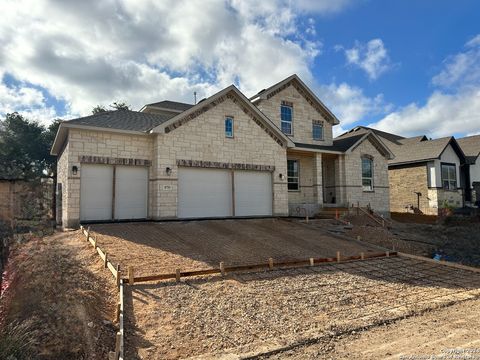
pixel 98 109
pixel 120 106
pixel 25 148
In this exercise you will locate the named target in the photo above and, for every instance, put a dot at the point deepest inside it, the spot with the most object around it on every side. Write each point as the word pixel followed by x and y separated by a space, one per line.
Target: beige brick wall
pixel 379 198
pixel 203 138
pixel 94 143
pixel 404 182
pixel 62 178
pixel 303 115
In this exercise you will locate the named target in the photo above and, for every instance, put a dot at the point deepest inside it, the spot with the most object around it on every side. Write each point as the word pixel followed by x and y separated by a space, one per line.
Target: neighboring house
pixel 424 174
pixel 227 156
pixel 471 148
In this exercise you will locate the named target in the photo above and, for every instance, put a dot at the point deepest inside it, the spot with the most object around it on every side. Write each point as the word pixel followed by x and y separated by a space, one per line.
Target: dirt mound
pixel 59 287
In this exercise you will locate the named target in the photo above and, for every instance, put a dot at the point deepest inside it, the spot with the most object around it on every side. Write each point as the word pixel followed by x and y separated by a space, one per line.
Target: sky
pixel 410 67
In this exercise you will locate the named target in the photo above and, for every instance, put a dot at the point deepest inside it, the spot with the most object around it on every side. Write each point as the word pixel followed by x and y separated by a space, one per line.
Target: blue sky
pixel 409 67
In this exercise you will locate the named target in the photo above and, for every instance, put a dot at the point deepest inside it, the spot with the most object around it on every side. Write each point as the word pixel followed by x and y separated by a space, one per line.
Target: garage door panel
pixel 253 193
pixel 204 193
pixel 96 186
pixel 131 192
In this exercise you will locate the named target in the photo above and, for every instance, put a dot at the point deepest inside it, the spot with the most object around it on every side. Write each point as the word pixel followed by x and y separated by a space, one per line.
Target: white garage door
pixel 253 193
pixel 204 193
pixel 96 189
pixel 131 191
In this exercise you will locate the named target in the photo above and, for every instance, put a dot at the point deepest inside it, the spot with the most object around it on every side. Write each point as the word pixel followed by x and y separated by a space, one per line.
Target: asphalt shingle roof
pixel 174 105
pixel 416 151
pixel 470 145
pixel 122 120
pixel 339 144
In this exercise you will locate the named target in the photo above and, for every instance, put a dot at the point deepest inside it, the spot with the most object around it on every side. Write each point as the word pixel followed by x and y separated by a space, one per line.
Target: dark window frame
pixel 291 183
pixel 228 134
pixel 442 180
pixel 289 106
pixel 370 179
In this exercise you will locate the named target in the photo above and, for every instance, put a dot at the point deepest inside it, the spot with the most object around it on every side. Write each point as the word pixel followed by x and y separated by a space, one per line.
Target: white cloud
pixel 371 57
pixel 456 111
pixel 350 104
pixel 96 52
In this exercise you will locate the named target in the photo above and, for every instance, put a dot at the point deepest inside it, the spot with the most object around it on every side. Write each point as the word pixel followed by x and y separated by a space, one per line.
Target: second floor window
pixel 449 176
pixel 286 118
pixel 317 130
pixel 229 127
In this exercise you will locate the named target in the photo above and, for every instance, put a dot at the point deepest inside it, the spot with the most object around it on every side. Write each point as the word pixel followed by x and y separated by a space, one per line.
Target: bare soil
pixel 457 239
pixel 265 313
pixel 60 290
pixel 159 247
pixel 434 333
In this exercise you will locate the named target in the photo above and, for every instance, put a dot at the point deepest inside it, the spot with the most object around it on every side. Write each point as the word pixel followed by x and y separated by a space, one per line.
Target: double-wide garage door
pixel 113 194
pixel 221 193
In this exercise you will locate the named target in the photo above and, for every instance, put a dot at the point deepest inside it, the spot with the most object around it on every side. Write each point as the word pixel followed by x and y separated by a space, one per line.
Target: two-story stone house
pixel 227 156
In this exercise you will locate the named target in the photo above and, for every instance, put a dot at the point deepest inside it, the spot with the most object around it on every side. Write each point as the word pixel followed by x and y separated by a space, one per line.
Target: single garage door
pixel 96 192
pixel 131 191
pixel 204 192
pixel 253 193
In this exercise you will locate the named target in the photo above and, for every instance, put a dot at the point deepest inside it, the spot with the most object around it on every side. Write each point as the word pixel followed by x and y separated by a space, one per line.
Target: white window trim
pixel 284 121
pixel 319 123
pixel 225 124
pixel 451 165
pixel 372 186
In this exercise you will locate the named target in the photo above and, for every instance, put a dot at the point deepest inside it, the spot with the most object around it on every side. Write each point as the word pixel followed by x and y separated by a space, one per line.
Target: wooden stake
pixel 387 254
pixel 177 275
pixel 222 268
pixel 338 256
pixel 88 232
pixel 117 345
pixel 118 275
pixel 117 313
pixel 95 242
pixel 362 256
pixel 312 262
pixel 270 263
pixel 131 276
pixel 359 237
pixel 105 262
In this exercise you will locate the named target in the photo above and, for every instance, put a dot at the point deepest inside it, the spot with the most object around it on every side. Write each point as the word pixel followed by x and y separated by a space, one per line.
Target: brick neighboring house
pixel 227 156
pixel 471 148
pixel 425 175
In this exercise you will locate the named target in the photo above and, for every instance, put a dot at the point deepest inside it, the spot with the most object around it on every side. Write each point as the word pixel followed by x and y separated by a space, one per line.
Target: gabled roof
pixel 309 94
pixel 421 151
pixel 349 143
pixel 168 105
pixel 471 148
pixel 364 129
pixel 125 121
pixel 203 106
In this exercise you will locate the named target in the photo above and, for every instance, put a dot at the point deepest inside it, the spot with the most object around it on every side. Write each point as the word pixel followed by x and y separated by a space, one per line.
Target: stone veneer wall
pixel 303 115
pixel 94 143
pixel 378 199
pixel 203 138
pixel 310 194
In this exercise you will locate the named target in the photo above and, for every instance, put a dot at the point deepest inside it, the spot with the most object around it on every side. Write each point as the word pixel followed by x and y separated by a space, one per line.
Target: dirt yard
pixel 444 332
pixel 158 247
pixel 457 239
pixel 59 295
pixel 268 313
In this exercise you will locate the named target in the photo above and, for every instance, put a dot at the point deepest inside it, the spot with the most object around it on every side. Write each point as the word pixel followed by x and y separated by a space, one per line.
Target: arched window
pixel 367 173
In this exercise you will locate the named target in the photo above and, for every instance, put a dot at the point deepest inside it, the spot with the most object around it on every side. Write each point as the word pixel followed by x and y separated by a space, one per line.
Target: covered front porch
pixel 315 181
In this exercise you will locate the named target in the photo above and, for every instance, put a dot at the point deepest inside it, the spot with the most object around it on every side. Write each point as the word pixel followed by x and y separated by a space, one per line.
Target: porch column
pixel 317 178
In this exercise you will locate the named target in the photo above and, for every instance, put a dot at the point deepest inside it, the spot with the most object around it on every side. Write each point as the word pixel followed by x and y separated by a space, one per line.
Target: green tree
pixel 120 106
pixel 98 109
pixel 25 148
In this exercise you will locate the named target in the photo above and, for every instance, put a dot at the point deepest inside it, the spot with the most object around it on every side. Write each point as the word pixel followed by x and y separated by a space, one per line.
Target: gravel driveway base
pixel 258 312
